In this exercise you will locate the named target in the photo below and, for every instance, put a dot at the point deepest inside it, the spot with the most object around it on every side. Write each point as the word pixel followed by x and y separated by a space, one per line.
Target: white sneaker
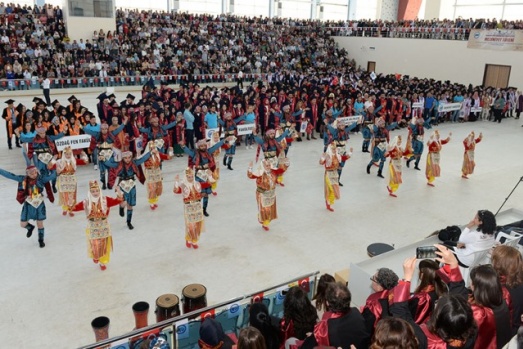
pixel 96 167
pixel 246 147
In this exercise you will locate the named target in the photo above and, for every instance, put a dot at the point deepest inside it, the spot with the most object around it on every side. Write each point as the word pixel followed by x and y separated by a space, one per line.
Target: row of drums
pixel 194 297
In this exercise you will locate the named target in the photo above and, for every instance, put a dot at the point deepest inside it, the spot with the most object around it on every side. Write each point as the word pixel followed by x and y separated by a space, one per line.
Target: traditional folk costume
pixel 153 175
pixel 395 153
pixel 468 157
pixel 434 146
pixel 215 138
pixel 98 231
pixel 229 129
pixel 30 188
pixel 193 211
pixel 127 171
pixel 418 131
pixel 67 184
pixel 379 146
pixel 340 136
pixel 202 160
pixel 272 147
pixel 331 160
pixel 265 177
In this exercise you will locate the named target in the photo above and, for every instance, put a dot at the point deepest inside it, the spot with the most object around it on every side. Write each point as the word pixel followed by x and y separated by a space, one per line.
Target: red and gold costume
pixel 468 157
pixel 434 146
pixel 331 160
pixel 153 175
pixel 98 232
pixel 67 184
pixel 193 211
pixel 266 178
pixel 395 169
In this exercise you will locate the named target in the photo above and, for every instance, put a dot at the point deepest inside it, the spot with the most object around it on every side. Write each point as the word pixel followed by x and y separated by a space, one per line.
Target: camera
pixel 425 252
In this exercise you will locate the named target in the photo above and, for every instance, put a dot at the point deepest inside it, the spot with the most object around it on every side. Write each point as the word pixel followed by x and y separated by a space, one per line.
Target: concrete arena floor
pixel 49 296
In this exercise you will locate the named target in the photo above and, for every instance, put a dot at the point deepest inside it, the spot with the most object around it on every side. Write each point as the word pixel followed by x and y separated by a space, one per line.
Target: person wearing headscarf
pixel 331 159
pixel 434 146
pixel 67 184
pixel 153 174
pixel 98 232
pixel 191 190
pixel 29 194
pixel 468 158
pixel 394 152
pixel 266 178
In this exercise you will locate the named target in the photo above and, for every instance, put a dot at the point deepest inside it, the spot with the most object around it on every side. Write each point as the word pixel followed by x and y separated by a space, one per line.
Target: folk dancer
pixel 153 174
pixel 434 146
pixel 104 147
pixel 331 159
pixel 12 121
pixel 418 131
pixel 380 139
pixel 30 188
pixel 215 138
pixel 157 133
pixel 98 231
pixel 202 160
pixel 229 128
pixel 272 148
pixel 265 192
pixel 468 157
pixel 127 171
pixel 340 136
pixel 288 123
pixel 43 146
pixel 394 152
pixel 193 211
pixel 67 184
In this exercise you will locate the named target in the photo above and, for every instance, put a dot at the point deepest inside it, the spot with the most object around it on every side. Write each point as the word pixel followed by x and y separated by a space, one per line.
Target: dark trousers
pixel 497 115
pixel 47 96
pixel 189 138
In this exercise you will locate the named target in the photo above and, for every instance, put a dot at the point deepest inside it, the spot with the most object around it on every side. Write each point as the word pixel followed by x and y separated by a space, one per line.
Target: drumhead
pixel 194 291
pixel 167 301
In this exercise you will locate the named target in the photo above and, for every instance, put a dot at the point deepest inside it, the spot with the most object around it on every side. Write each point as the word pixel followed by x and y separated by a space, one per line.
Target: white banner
pixel 210 131
pixel 475 109
pixel 75 142
pixel 442 108
pixel 496 39
pixel 417 105
pixel 245 129
pixel 347 120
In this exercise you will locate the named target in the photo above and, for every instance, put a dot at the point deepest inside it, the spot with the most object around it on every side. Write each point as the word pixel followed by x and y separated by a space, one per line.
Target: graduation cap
pixel 55 102
pixel 41 102
pixel 102 96
pixel 156 106
pixel 130 96
pixel 111 96
pixel 10 101
pixel 71 99
pixel 36 99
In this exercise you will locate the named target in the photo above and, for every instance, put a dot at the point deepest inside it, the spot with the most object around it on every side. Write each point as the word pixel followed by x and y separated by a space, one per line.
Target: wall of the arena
pixel 83 27
pixel 438 59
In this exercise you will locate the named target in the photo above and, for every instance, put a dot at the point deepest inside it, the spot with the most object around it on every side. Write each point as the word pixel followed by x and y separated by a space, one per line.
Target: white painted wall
pixel 438 59
pixel 83 27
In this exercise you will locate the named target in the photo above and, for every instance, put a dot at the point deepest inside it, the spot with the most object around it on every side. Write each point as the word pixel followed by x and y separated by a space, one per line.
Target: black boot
pixel 103 185
pixel 380 175
pixel 408 162
pixel 225 160
pixel 54 188
pixel 129 225
pixel 368 168
pixel 30 229
pixel 205 212
pixel 41 243
pixel 229 163
pixel 122 213
pixel 417 168
pixel 416 164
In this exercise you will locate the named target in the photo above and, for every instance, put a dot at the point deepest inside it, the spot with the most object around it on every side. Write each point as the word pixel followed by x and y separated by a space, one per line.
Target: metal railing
pixel 171 322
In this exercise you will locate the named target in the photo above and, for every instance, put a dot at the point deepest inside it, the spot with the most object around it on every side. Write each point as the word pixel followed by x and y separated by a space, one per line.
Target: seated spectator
pixel 377 304
pixel 299 315
pixel 260 319
pixel 429 290
pixel 508 263
pixel 475 240
pixel 251 338
pixel 212 336
pixel 342 326
pixel 392 333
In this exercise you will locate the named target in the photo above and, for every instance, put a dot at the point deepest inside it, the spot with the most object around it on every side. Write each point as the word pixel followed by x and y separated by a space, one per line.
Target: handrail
pixel 172 321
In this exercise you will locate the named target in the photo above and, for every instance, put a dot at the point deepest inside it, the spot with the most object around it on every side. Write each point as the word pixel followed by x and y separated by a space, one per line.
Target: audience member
pixel 251 338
